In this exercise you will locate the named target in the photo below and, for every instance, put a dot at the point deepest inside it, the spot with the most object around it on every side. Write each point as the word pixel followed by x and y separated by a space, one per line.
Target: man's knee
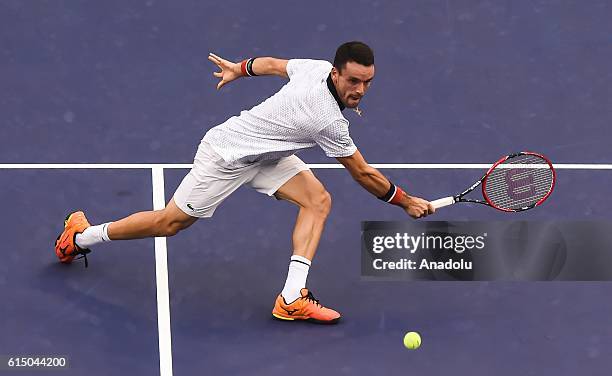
pixel 170 225
pixel 321 203
pixel 173 227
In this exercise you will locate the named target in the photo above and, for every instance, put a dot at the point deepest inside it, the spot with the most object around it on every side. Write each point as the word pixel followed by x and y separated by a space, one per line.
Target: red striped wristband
pixel 397 197
pixel 243 67
pixel 394 195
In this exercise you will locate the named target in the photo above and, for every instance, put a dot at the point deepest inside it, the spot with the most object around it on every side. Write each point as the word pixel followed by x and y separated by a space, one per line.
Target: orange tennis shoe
pixel 66 248
pixel 305 308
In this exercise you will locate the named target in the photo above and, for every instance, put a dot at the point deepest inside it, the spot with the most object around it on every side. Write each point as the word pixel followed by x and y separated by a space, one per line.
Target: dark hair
pixel 358 52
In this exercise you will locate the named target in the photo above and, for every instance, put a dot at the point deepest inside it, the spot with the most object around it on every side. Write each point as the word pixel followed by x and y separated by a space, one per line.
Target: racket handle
pixel 442 202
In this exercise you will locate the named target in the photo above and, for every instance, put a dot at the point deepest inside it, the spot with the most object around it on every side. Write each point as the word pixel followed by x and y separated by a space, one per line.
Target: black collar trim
pixel 334 92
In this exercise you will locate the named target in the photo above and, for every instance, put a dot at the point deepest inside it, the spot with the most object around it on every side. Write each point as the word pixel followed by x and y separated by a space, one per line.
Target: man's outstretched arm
pixel 377 184
pixel 260 66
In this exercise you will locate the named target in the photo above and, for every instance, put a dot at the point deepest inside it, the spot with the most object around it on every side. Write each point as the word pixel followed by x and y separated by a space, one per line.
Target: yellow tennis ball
pixel 412 340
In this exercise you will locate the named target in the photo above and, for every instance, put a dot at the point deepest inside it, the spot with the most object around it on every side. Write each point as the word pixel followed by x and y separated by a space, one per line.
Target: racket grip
pixel 442 202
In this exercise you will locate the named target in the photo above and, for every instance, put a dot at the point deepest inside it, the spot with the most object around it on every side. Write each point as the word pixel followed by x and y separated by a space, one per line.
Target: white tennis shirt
pixel 302 114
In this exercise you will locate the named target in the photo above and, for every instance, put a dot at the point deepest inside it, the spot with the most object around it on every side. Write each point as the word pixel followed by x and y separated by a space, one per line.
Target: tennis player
pixel 257 148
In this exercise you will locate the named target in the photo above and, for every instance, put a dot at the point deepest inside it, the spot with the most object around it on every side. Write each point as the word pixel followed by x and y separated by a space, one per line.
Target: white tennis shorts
pixel 211 180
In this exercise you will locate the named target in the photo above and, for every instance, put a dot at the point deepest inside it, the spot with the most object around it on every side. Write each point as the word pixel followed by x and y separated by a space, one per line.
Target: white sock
pixel 296 278
pixel 93 235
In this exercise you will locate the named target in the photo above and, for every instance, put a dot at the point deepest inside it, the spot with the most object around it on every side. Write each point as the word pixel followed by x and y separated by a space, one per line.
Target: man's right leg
pixel 296 302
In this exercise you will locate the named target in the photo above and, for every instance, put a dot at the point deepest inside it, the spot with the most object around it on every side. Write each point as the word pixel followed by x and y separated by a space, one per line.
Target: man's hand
pixel 417 207
pixel 229 70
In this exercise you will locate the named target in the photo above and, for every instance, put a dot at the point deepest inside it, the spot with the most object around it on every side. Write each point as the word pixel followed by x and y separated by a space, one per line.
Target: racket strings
pixel 519 182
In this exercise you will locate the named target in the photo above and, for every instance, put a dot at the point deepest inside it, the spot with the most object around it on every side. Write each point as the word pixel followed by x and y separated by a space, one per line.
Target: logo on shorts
pixel 190 207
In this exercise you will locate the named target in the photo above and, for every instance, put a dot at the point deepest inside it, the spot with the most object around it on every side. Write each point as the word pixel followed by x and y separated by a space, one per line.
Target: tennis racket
pixel 516 182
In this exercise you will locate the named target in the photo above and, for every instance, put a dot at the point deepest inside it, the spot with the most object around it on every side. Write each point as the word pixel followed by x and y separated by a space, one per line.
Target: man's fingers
pixel 214 56
pixel 416 214
pixel 221 62
pixel 215 59
pixel 220 84
pixel 422 211
pixel 218 74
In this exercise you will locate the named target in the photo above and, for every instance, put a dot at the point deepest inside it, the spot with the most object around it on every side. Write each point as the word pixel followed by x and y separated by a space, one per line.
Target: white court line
pixel 161 274
pixel 434 166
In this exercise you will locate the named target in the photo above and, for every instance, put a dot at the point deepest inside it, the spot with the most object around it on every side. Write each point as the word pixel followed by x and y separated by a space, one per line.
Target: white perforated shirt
pixel 302 114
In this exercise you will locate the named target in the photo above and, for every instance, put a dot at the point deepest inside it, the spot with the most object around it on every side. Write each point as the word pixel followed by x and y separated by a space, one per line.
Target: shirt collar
pixel 334 92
